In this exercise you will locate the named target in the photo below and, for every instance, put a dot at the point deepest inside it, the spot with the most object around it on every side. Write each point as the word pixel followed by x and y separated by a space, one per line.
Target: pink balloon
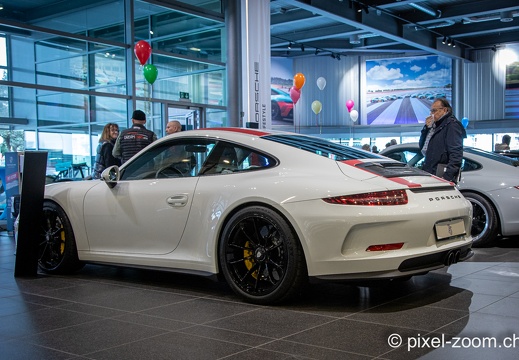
pixel 295 94
pixel 349 105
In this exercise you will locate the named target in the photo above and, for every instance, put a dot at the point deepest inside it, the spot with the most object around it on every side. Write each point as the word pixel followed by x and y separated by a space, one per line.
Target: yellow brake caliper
pixel 62 245
pixel 249 260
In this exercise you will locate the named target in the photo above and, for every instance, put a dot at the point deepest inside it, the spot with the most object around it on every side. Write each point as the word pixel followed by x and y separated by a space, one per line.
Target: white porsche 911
pixel 266 210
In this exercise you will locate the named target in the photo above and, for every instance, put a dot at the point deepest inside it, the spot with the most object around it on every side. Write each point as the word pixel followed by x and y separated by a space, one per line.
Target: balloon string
pixel 295 118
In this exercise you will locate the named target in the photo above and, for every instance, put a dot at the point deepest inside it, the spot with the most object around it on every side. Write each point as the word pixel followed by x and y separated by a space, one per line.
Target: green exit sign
pixel 184 95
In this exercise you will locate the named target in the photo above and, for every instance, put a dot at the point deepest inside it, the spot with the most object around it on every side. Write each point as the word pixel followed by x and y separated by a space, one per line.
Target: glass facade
pixel 73 69
pixel 78 71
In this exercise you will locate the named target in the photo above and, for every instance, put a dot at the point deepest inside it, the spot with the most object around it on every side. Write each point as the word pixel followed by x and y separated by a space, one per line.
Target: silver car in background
pixel 488 180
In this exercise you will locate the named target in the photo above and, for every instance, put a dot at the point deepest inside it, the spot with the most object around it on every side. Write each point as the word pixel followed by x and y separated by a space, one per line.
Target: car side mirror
pixel 111 175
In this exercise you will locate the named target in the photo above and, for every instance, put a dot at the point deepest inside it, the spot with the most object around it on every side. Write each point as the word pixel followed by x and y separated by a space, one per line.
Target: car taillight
pixel 394 197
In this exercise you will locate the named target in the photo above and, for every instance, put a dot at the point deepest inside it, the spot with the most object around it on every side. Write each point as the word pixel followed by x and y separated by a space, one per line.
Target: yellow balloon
pixel 299 81
pixel 317 107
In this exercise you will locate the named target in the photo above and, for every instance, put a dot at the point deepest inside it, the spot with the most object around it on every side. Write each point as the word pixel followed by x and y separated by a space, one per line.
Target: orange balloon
pixel 299 81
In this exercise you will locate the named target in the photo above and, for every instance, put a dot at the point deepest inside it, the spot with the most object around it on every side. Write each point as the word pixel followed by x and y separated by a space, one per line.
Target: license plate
pixel 448 229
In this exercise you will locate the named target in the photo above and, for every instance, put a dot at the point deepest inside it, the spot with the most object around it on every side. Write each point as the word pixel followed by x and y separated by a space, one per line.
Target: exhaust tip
pixel 449 259
pixel 457 255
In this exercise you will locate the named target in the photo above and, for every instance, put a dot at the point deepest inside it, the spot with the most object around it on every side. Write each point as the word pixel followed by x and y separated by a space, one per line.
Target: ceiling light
pixel 507 16
pixel 354 39
pixel 332 55
pixel 453 44
pixel 302 47
pixel 449 43
pixel 316 51
pixel 444 40
pixel 290 45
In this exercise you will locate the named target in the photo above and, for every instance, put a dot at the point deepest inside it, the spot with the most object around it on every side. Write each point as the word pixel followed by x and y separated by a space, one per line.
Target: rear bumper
pixel 409 267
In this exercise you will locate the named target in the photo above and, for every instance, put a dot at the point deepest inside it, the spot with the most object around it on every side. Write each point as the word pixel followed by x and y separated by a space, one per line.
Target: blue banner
pixel 12 184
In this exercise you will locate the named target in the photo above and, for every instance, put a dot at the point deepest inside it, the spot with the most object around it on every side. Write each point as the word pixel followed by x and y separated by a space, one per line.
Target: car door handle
pixel 177 200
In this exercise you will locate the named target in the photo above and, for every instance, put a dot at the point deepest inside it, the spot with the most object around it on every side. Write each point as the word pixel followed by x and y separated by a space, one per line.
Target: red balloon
pixel 142 51
pixel 295 94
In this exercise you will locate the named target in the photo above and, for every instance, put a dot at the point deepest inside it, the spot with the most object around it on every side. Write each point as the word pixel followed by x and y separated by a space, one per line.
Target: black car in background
pixel 514 154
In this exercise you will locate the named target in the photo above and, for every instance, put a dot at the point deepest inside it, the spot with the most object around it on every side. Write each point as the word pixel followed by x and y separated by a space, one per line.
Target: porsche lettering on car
pixel 264 210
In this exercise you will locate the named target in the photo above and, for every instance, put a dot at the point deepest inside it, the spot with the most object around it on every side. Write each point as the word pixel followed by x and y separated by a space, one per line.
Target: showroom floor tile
pixel 470 311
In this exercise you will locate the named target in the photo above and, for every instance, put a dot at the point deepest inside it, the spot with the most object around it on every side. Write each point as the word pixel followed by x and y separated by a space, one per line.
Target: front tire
pixel 57 252
pixel 484 220
pixel 275 111
pixel 261 257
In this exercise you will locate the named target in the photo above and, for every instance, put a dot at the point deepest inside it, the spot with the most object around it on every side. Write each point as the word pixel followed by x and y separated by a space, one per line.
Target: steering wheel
pixel 168 172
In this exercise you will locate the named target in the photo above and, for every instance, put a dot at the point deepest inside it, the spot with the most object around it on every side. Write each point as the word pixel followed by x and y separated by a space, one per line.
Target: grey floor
pixel 470 311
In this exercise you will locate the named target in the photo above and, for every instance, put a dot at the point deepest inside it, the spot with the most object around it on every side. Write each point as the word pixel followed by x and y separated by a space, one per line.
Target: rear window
pixel 322 147
pixel 493 156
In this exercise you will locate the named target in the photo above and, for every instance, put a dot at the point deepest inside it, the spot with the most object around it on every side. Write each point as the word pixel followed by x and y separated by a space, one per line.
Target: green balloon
pixel 150 73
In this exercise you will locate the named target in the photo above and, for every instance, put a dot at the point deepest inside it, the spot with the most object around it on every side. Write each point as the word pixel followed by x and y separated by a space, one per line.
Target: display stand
pixel 31 213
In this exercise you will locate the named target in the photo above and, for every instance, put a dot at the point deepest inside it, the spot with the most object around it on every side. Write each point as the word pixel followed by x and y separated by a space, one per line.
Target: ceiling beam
pixel 382 23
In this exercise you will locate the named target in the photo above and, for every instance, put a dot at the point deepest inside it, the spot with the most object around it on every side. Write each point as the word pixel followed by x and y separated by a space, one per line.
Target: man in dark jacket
pixel 134 139
pixel 441 141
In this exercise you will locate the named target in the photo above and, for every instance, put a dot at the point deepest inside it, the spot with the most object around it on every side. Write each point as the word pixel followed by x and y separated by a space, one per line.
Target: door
pixel 146 212
pixel 188 116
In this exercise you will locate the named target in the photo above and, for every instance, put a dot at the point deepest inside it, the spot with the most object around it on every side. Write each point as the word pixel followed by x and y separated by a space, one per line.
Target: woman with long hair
pixel 104 157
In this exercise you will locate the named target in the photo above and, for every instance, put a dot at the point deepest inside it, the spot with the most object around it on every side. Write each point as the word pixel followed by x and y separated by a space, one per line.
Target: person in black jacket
pixel 104 157
pixel 134 139
pixel 441 141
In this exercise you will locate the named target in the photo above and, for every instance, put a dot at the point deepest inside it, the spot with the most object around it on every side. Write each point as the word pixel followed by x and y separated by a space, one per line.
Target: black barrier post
pixel 31 213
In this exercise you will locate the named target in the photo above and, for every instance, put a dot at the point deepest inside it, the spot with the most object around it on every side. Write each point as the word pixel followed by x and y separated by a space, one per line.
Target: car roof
pixel 275 138
pixel 467 152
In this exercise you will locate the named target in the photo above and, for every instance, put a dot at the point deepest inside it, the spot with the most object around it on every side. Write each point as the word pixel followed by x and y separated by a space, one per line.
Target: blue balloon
pixel 465 122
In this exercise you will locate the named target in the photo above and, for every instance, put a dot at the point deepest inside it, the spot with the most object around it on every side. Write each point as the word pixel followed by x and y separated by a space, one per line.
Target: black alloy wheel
pixel 484 220
pixel 260 256
pixel 57 252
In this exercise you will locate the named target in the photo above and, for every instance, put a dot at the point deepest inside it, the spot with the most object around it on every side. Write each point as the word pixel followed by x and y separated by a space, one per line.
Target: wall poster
pixel 401 90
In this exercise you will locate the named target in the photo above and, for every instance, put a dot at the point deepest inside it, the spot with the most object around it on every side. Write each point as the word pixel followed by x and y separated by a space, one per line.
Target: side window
pixel 468 165
pixel 398 156
pixel 174 159
pixel 228 158
pixel 414 159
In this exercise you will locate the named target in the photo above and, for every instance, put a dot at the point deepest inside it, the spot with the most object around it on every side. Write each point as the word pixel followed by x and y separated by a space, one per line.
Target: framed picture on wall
pixel 401 90
pixel 282 106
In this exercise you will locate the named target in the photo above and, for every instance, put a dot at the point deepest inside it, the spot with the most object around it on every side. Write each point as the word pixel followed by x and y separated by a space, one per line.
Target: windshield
pixel 322 147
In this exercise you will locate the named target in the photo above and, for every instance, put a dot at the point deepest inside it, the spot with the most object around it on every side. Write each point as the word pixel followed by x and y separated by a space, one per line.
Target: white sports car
pixel 264 209
pixel 489 181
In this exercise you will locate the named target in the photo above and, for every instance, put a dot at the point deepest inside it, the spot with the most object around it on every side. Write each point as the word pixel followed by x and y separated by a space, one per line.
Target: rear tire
pixel 485 224
pixel 57 252
pixel 261 257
